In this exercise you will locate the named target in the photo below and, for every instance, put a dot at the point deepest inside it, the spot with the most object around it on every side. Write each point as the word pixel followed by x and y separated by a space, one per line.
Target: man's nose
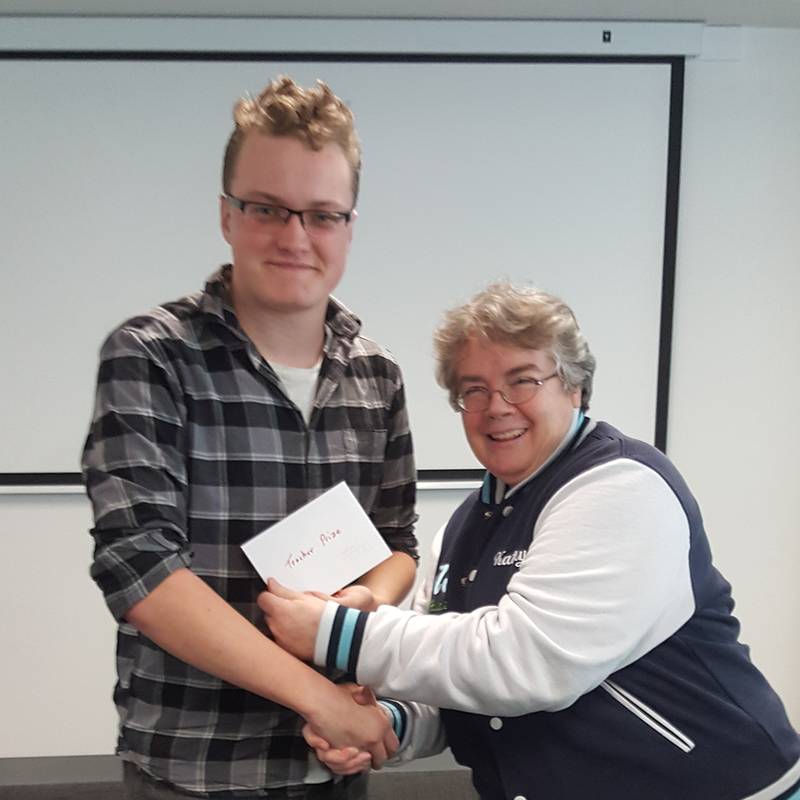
pixel 293 232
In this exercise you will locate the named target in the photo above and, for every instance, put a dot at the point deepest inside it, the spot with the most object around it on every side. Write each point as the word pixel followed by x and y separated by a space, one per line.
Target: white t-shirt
pixel 300 384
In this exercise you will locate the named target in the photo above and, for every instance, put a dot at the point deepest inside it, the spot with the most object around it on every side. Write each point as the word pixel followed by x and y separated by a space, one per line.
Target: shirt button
pixel 495 723
pixel 507 510
pixel 473 575
pixel 520 797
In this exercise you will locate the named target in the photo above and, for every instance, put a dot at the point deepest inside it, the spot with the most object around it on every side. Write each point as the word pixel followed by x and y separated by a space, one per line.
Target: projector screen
pixel 552 172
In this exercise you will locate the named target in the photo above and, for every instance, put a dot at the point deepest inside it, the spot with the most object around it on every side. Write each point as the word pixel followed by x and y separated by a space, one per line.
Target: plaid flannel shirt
pixel 193 449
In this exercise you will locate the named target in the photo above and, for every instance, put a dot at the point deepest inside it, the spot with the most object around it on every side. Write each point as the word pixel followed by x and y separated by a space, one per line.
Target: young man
pixel 216 415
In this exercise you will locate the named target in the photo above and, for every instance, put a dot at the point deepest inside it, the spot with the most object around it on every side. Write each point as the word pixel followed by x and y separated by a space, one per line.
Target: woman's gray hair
pixel 527 318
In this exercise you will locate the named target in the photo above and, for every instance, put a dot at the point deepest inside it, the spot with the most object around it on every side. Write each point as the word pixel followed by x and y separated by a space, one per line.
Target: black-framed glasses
pixel 520 390
pixel 313 220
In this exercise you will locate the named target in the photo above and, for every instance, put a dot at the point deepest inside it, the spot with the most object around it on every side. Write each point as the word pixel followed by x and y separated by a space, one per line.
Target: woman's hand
pixel 292 617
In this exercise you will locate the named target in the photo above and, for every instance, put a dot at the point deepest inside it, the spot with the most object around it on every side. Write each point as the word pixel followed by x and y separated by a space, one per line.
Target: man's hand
pixel 351 735
pixel 356 596
pixel 349 760
pixel 293 618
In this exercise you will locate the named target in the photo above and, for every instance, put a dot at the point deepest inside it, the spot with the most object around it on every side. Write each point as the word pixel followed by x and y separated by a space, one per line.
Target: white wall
pixel 733 432
pixel 57 667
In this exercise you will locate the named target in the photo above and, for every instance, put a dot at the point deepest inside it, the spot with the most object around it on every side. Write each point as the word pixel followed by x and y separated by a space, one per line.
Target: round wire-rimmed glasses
pixel 478 398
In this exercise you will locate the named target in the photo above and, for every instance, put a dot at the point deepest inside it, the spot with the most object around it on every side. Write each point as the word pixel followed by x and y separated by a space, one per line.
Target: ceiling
pixel 751 13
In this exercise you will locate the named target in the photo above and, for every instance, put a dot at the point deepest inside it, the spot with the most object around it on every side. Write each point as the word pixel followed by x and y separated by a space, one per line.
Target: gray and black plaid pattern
pixel 139 786
pixel 193 449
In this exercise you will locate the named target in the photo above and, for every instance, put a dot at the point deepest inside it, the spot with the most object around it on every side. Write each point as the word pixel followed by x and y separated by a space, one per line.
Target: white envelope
pixel 323 546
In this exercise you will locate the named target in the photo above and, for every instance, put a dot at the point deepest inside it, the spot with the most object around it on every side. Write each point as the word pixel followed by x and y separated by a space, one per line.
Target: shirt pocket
pixel 367 446
pixel 365 457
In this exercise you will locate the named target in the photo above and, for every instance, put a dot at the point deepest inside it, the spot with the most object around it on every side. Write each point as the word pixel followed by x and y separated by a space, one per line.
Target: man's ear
pixel 225 211
pixel 353 217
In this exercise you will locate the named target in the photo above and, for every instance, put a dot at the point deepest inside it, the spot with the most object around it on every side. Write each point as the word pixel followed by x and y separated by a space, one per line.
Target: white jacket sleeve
pixel 424 735
pixel 605 580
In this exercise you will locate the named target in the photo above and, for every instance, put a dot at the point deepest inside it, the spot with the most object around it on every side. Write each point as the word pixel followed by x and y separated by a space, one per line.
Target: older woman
pixel 573 633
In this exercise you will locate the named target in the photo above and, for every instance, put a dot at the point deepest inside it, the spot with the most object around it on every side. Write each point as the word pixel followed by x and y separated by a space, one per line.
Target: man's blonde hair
pixel 316 117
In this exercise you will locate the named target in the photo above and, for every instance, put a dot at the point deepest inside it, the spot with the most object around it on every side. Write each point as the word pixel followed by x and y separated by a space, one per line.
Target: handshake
pixel 353 759
pixel 350 731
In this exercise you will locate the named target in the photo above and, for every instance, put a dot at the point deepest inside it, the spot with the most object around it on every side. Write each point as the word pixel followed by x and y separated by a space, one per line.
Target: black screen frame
pixel 677 66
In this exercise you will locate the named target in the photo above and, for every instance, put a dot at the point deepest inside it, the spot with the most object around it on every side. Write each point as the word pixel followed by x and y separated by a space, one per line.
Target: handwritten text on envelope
pixel 323 546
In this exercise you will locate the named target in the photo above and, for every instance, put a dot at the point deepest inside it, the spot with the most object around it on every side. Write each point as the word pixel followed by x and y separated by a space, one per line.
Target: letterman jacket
pixel 580 644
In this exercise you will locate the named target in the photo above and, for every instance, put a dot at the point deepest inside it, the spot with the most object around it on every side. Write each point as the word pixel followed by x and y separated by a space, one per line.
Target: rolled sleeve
pixel 135 473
